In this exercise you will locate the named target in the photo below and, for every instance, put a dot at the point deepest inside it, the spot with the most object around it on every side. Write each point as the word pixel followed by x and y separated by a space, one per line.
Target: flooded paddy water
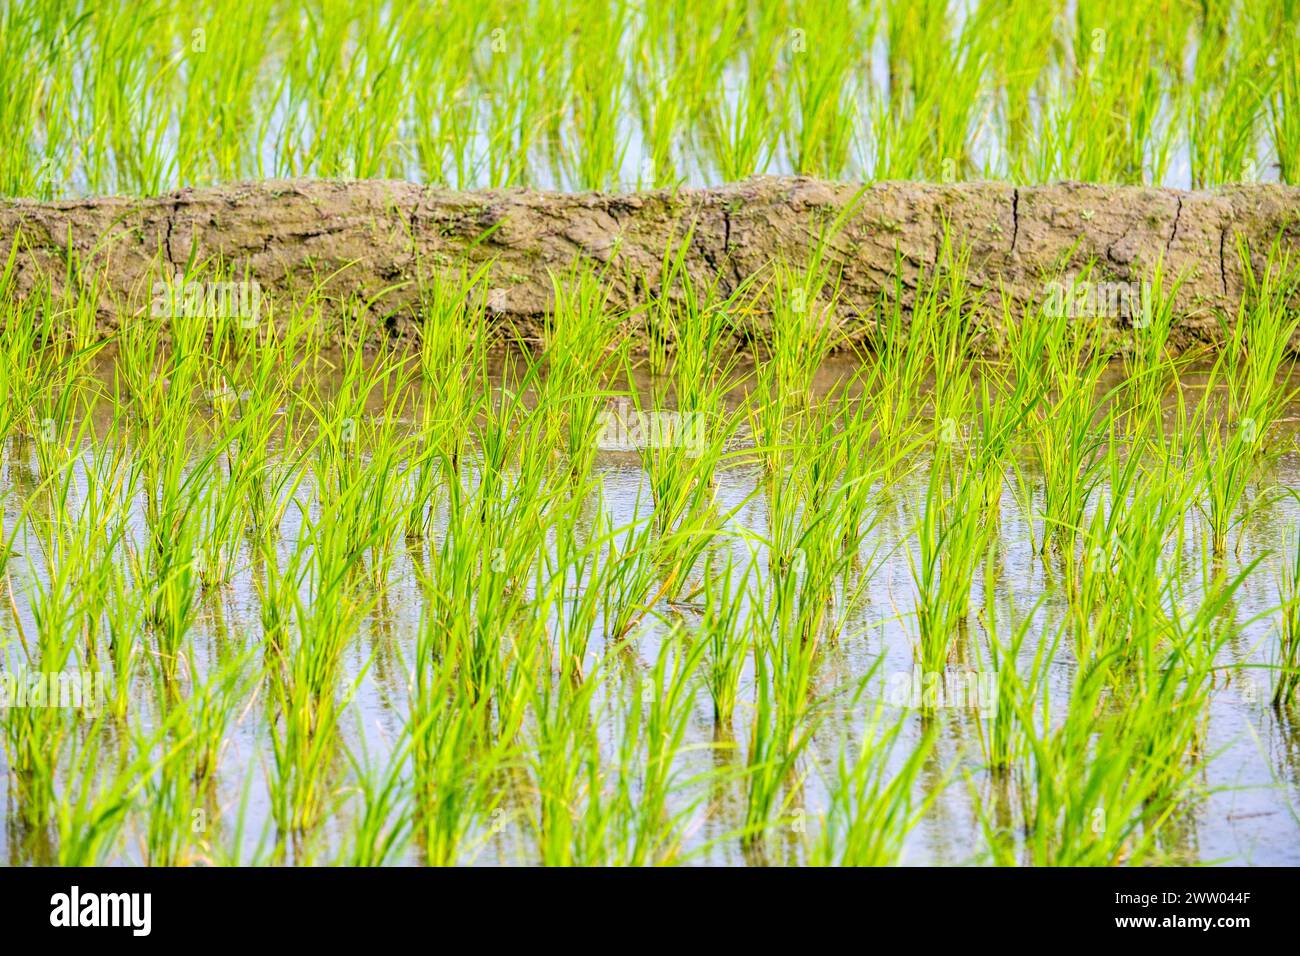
pixel 141 98
pixel 529 655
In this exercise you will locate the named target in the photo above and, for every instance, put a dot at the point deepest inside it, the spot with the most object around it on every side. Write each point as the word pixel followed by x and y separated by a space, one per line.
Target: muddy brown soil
pixel 373 241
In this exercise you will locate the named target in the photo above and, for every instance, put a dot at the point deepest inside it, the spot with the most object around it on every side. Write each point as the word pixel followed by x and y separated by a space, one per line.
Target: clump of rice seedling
pixel 1288 655
pixel 721 632
pixel 872 809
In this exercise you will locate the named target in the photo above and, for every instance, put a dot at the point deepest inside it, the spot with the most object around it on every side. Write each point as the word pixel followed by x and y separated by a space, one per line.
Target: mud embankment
pixel 373 241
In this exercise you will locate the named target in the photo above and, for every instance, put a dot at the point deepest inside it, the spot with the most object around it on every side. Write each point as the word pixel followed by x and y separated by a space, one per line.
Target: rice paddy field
pixel 142 96
pixel 982 586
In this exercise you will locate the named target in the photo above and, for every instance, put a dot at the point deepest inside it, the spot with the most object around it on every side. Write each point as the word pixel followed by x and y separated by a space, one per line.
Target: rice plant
pixel 613 581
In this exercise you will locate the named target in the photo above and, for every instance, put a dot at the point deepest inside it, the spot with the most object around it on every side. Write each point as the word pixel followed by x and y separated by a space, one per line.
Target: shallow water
pixel 498 118
pixel 1251 772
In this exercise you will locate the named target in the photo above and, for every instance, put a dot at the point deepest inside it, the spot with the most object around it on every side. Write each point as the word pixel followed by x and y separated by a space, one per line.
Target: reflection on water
pixel 1250 773
pixel 611 95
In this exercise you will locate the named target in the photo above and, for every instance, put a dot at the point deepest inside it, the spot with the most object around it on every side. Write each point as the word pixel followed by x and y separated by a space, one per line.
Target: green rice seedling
pixel 71 306
pixel 1113 819
pixel 683 457
pixel 923 126
pixel 450 762
pixel 526 97
pixel 675 310
pixel 769 414
pixel 869 465
pixel 383 826
pixel 900 363
pixel 1126 757
pixel 1130 570
pixel 444 112
pixel 1256 351
pixel 453 344
pixel 652 561
pixel 1149 370
pixel 305 677
pixel 24 363
pixel 222 522
pixel 970 440
pixel 502 436
pixel 696 326
pixel 821 514
pixel 648 827
pixel 60 412
pixel 816 457
pixel 998 423
pixel 170 565
pixel 1283 116
pixel 170 796
pixel 572 565
pixel 871 809
pixel 452 351
pixel 1023 57
pixel 1231 84
pixel 129 100
pixel 803 333
pixel 722 633
pixel 951 540
pixel 380 509
pixel 823 112
pixel 136 98
pixel 565 767
pixel 949 334
pixel 1097 588
pixel 141 379
pixel 599 89
pixel 792 614
pixel 661 95
pixel 1226 456
pixel 36 736
pixel 805 562
pixel 173 485
pixel 680 453
pixel 1254 356
pixel 1023 344
pixel 340 52
pixel 634 580
pixel 80 538
pixel 741 124
pixel 95 810
pixel 224 72
pixel 1085 136
pixel 492 542
pixel 348 422
pixel 682 474
pixel 682 447
pixel 804 323
pixel 37 727
pixel 1068 430
pixel 776 741
pixel 582 347
pixel 122 622
pixel 1004 737
pixel 255 414
pixel 1288 650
